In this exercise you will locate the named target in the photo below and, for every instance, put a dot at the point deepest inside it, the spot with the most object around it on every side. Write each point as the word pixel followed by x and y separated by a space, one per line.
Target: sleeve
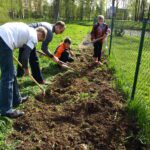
pixel 93 33
pixel 106 30
pixel 31 44
pixel 45 44
pixel 32 39
pixel 58 51
pixel 47 52
pixel 25 56
pixel 45 47
pixel 33 25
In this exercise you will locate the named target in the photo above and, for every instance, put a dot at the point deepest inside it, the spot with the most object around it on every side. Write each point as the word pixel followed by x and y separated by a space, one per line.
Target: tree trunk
pixel 56 5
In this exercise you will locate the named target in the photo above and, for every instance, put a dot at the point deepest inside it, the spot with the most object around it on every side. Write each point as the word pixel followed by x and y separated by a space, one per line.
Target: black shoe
pixel 20 75
pixel 14 114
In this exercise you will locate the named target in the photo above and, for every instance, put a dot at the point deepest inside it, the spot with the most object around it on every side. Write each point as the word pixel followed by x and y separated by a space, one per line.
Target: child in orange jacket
pixel 63 51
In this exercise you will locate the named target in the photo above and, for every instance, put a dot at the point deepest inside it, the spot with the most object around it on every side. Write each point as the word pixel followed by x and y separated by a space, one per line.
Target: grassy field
pixel 123 59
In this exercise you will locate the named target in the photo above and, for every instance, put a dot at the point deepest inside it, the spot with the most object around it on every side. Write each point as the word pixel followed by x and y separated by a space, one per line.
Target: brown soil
pixel 81 111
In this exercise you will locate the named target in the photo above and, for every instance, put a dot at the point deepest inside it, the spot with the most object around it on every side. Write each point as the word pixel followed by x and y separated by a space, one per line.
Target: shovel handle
pixel 87 43
pixel 31 77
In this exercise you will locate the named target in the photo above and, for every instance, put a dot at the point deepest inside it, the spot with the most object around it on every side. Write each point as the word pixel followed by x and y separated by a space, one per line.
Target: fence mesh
pixel 124 57
pixel 124 52
pixel 143 84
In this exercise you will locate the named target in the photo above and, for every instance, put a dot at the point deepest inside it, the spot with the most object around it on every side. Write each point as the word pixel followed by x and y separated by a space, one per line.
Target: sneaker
pixel 95 62
pixel 100 63
pixel 23 99
pixel 13 113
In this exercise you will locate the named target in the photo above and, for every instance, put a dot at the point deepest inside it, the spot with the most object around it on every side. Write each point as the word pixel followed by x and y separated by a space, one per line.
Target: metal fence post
pixel 139 59
pixel 112 24
pixel 94 21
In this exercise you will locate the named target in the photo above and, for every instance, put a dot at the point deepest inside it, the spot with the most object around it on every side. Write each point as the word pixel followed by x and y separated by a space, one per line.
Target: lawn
pixel 123 59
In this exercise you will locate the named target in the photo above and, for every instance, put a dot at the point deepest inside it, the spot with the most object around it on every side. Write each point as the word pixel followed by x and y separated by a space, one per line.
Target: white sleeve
pixel 31 44
pixel 32 40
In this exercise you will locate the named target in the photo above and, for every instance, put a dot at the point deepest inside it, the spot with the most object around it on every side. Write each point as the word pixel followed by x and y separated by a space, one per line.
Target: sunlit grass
pixel 123 59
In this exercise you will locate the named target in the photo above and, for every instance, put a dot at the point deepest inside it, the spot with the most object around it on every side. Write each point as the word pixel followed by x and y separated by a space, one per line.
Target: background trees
pixel 73 9
pixel 139 9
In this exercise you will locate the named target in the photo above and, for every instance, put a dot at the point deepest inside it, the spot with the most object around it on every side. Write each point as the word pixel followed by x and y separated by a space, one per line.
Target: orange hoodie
pixel 60 49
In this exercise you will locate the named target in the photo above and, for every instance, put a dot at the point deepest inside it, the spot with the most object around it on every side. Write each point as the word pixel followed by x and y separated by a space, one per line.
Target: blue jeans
pixel 9 93
pixel 65 57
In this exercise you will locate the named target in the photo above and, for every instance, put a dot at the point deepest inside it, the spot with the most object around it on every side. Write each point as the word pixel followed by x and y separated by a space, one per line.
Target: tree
pixel 56 6
pixel 138 9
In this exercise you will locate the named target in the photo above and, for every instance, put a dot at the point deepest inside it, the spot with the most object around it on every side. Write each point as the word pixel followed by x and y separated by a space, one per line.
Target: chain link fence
pixel 129 51
pixel 143 84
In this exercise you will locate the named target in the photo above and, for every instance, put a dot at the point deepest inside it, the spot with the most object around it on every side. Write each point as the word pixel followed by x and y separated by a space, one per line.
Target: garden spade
pixel 88 43
pixel 31 77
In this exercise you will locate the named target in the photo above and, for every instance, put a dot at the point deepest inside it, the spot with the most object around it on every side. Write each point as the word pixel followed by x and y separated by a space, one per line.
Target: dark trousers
pixel 98 50
pixel 9 93
pixel 65 57
pixel 34 63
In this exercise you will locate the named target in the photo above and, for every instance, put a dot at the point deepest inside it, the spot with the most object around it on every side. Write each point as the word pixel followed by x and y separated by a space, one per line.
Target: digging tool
pixel 64 65
pixel 32 78
pixel 88 43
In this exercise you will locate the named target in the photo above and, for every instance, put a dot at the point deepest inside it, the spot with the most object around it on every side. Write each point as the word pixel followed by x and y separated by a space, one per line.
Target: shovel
pixel 31 77
pixel 88 43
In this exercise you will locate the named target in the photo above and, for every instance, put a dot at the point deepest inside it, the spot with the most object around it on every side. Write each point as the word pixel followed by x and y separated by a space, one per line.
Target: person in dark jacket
pixel 57 28
pixel 99 31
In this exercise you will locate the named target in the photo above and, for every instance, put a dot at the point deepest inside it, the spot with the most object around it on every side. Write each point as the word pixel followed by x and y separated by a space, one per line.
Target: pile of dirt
pixel 81 111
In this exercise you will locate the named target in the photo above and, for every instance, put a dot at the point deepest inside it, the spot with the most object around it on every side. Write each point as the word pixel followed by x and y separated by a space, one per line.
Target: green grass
pixel 50 69
pixel 123 60
pixel 5 129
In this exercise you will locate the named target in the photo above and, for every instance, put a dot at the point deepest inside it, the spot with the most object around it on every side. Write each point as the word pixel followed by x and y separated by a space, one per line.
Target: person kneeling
pixel 63 51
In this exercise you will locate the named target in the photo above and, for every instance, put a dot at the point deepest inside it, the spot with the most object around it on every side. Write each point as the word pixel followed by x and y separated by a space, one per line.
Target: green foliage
pixel 5 129
pixel 84 95
pixel 123 60
pixel 141 110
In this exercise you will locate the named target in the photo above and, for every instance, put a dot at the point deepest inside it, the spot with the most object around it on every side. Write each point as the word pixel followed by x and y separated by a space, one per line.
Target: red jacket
pixel 99 31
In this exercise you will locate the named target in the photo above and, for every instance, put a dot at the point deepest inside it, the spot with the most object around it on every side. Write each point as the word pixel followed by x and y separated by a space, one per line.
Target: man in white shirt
pixel 57 28
pixel 12 36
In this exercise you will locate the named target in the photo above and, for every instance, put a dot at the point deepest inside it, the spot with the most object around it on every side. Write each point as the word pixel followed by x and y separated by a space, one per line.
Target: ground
pixel 81 111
